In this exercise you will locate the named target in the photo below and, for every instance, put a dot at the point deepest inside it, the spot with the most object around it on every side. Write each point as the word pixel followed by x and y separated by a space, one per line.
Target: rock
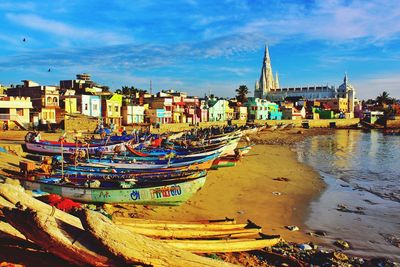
pixel 292 228
pixel 357 261
pixel 314 246
pixel 342 244
pixel 340 256
pixel 276 193
pixel 320 233
pixel 382 262
pixel 305 247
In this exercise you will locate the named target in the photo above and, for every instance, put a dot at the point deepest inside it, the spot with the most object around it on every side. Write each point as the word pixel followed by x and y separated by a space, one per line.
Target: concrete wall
pixel 313 123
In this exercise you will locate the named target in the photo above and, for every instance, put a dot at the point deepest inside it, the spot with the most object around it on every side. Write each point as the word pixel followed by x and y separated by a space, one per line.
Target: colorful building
pixel 217 109
pixel 69 102
pixel 156 104
pixel 132 114
pixel 257 108
pixel 293 113
pixel 111 109
pixel 202 111
pixel 90 105
pixel 15 110
pixel 157 116
pixel 273 111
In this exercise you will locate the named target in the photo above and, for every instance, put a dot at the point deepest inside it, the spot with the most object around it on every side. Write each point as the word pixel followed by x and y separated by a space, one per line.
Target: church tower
pixel 266 82
pixel 276 81
pixel 346 90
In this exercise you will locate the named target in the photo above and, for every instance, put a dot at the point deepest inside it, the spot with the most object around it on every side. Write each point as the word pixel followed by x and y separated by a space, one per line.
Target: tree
pixel 118 91
pixel 383 98
pixel 242 92
pixel 105 89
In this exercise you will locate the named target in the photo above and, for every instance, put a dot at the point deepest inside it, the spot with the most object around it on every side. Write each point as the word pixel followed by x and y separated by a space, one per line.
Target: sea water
pixel 361 202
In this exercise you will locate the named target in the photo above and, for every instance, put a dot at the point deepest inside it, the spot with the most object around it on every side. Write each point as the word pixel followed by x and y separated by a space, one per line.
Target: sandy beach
pixel 268 186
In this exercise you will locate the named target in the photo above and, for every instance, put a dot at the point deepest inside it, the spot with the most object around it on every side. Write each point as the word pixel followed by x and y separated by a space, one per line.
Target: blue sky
pixel 202 46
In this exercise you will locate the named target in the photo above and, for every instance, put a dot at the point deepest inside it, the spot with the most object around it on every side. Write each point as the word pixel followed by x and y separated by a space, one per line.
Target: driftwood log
pixel 137 249
pixel 15 194
pixel 6 230
pixel 65 241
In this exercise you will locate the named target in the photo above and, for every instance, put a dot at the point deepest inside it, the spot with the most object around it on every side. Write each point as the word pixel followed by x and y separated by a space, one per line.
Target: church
pixel 267 87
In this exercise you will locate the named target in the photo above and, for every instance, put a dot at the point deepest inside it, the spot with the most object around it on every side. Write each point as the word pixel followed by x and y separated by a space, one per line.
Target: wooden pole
pixel 62 159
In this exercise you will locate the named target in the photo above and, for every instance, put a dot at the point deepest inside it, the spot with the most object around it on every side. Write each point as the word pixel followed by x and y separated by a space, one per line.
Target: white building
pixel 91 105
pixel 132 114
pixel 15 110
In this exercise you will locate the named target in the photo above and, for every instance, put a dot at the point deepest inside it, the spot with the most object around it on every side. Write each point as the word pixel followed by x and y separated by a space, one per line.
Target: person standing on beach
pixel 5 126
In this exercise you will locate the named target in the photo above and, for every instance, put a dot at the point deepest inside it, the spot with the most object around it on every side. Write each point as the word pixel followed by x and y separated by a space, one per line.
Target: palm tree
pixel 242 92
pixel 383 98
pixel 125 90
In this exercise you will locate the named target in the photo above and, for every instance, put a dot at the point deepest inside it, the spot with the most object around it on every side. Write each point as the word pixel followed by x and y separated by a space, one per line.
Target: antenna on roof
pixel 151 89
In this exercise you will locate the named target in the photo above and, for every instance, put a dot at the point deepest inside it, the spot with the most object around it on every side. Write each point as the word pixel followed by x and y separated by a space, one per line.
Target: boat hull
pixel 170 195
pixel 43 148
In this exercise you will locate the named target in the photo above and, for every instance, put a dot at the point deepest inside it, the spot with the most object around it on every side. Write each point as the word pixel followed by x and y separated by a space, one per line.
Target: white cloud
pixel 374 21
pixel 371 86
pixel 67 31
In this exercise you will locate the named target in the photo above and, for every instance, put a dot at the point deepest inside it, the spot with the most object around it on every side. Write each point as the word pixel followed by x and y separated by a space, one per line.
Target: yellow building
pixel 229 112
pixel 111 110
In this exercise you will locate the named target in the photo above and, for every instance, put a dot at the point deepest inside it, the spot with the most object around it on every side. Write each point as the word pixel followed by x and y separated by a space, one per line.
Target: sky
pixel 203 46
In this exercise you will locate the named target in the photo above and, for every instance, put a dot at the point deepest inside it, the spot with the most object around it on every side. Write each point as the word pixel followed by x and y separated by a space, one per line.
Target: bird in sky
pixel 24 40
pixel 49 70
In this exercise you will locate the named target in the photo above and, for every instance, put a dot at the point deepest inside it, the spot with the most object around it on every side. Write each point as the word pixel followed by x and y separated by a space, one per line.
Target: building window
pixel 94 107
pixel 20 111
pixel 109 108
pixel 86 106
pixel 116 108
pixel 55 99
pixel 48 99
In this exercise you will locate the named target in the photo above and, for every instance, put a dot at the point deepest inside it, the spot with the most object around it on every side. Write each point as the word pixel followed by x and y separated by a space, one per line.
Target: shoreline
pixel 269 186
pixel 276 193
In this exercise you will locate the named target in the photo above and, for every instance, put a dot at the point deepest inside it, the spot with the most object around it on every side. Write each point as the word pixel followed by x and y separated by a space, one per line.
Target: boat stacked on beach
pixel 88 238
pixel 142 169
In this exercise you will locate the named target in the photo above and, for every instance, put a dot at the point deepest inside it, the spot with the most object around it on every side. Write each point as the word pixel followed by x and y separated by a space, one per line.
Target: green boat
pixel 171 194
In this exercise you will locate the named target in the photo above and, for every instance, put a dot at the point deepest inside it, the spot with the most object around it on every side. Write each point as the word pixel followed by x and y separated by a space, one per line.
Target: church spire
pixel 346 79
pixel 276 81
pixel 266 81
pixel 266 54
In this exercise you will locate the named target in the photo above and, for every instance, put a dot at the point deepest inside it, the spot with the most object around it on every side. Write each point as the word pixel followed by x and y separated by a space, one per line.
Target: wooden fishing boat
pixel 223 245
pixel 141 150
pixel 149 153
pixel 54 147
pixel 171 161
pixel 189 233
pixel 200 164
pixel 53 229
pixel 170 225
pixel 167 194
pixel 137 178
pixel 64 240
pixel 223 163
pixel 133 248
pixel 114 172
